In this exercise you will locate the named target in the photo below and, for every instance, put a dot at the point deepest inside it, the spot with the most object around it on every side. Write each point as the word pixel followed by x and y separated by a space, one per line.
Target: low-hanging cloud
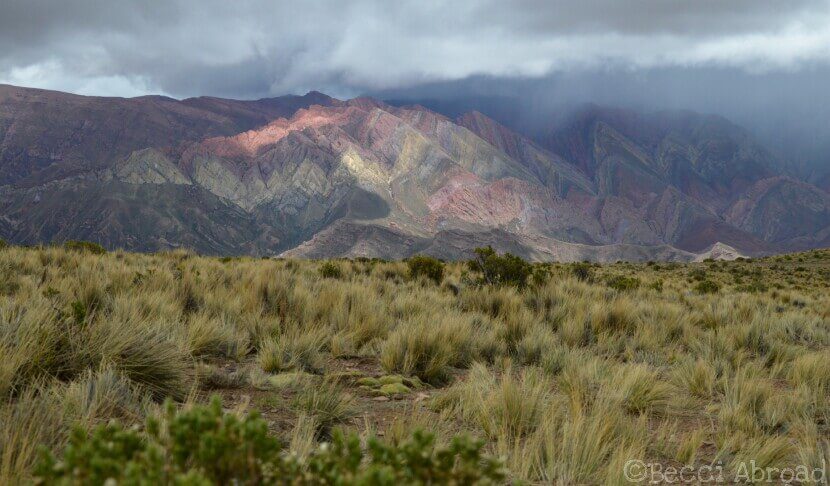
pixel 258 48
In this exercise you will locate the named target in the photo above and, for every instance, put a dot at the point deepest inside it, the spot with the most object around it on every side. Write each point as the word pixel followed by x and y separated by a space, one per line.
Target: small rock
pixel 381 399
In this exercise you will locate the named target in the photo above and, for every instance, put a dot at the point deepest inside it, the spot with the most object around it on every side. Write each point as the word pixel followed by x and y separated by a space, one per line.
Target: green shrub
pixel 707 287
pixel 3 243
pixel 497 269
pixel 85 246
pixel 621 283
pixel 197 446
pixel 698 274
pixel 541 275
pixel 426 266
pixel 206 446
pixel 583 271
pixel 330 270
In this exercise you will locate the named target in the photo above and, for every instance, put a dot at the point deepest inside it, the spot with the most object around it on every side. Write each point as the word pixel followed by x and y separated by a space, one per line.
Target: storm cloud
pixel 249 49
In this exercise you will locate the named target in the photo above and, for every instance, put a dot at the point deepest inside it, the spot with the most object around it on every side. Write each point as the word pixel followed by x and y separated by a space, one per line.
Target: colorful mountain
pixel 313 176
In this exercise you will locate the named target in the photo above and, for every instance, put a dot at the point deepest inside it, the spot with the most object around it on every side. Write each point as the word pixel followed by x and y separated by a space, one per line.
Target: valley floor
pixel 567 379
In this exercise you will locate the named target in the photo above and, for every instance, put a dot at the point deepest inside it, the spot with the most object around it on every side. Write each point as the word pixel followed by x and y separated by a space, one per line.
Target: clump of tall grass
pixel 576 445
pixel 209 336
pixel 507 407
pixel 427 346
pixel 639 389
pixel 144 352
pixel 33 420
pixel 102 395
pixel 326 403
pixel 293 349
pixel 34 343
pixel 696 377
pixel 812 370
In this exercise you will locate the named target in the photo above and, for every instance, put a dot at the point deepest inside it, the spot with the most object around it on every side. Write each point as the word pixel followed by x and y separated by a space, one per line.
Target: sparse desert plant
pixel 330 270
pixel 99 396
pixel 496 269
pixel 622 283
pixel 294 349
pixel 206 446
pixel 85 246
pixel 34 344
pixel 425 266
pixel 812 370
pixel 707 287
pixel 577 446
pixel 202 445
pixel 583 271
pixel 541 275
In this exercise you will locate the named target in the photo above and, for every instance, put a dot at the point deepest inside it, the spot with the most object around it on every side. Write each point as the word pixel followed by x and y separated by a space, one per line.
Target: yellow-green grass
pixel 566 378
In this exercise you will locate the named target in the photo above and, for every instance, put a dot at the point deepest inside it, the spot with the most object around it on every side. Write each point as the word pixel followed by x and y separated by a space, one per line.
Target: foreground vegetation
pixel 562 371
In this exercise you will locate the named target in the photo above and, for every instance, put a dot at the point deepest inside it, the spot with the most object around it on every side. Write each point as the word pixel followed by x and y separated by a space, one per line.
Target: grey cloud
pixel 787 110
pixel 252 48
pixel 644 17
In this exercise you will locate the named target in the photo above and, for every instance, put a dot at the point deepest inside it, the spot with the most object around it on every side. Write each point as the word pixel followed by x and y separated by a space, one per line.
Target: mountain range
pixel 313 176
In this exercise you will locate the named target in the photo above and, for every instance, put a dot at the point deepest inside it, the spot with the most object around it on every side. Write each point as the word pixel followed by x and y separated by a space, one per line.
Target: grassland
pixel 565 378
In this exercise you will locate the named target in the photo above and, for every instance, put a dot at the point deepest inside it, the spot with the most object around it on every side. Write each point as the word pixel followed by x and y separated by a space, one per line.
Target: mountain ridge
pixel 315 176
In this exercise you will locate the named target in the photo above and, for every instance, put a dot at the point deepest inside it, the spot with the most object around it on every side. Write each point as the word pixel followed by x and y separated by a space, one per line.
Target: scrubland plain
pixel 564 376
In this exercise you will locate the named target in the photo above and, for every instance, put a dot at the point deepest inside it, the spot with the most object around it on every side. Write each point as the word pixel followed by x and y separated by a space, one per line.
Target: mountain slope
pixel 314 176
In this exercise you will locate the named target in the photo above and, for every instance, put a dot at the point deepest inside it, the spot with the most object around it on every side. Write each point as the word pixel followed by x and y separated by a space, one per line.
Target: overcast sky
pixel 257 48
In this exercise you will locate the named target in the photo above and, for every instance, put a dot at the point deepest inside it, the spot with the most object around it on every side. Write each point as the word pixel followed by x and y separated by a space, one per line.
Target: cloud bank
pixel 255 48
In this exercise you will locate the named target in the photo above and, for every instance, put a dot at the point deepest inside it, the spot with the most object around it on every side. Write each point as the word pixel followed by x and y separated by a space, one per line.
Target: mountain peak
pixel 264 176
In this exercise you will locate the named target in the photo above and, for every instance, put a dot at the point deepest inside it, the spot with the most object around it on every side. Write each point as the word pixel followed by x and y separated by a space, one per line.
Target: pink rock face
pixel 252 142
pixel 467 198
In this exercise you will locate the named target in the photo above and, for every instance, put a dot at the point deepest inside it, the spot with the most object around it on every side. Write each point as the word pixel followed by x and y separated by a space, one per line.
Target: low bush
pixel 497 269
pixel 707 287
pixel 330 270
pixel 541 275
pixel 583 271
pixel 85 246
pixel 206 446
pixel 698 274
pixel 622 284
pixel 425 266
